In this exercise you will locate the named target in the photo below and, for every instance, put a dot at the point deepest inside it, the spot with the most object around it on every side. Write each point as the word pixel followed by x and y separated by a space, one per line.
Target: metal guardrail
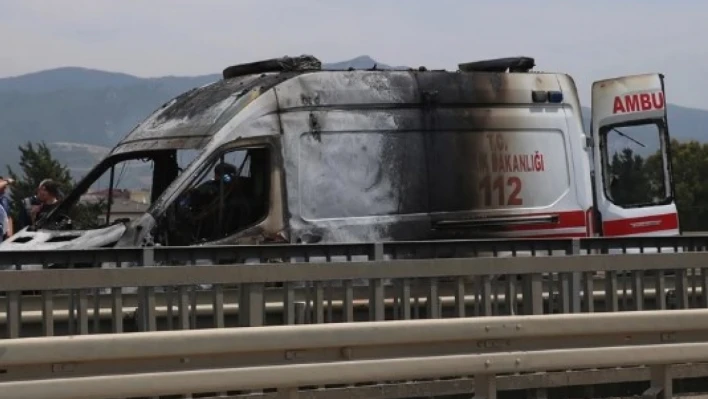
pixel 124 257
pixel 290 358
pixel 275 293
pixel 302 284
pixel 201 301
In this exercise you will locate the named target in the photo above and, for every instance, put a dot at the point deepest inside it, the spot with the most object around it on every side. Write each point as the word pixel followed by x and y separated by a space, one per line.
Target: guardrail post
pixel 682 286
pixel 434 305
pixel 575 280
pixel 533 305
pixel 288 303
pixel 117 309
pixel 404 292
pixel 611 287
pixel 661 383
pixel 14 314
pixel 146 297
pixel 72 312
pixel 486 292
pixel 251 307
pixel 299 312
pixel 82 312
pixel 485 386
pixel 533 294
pixel 377 310
pixel 48 313
pixel 704 287
pixel 378 251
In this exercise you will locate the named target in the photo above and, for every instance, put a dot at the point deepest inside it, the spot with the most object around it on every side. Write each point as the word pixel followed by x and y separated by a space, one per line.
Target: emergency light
pixel 539 96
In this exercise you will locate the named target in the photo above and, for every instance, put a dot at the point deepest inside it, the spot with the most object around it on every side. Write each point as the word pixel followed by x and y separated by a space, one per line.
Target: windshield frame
pixel 97 172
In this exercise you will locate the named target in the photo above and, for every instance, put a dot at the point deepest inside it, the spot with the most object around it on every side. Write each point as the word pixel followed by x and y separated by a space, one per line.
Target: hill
pixel 83 112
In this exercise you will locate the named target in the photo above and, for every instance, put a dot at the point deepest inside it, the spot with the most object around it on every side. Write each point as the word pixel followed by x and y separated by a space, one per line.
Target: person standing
pixel 6 204
pixel 48 196
pixel 4 225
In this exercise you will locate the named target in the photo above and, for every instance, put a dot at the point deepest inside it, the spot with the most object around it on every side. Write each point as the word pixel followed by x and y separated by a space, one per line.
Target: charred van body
pixel 491 150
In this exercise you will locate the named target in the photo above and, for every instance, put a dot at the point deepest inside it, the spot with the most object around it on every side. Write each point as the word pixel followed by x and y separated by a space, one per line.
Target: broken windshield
pixel 119 189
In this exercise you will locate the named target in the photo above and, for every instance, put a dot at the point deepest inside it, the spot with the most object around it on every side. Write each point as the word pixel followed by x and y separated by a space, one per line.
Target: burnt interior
pixel 218 204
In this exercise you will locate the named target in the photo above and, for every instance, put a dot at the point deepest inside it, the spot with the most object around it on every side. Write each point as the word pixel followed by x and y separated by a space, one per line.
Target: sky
pixel 590 40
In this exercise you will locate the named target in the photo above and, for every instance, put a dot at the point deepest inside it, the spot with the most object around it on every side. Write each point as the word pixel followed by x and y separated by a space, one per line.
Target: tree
pixel 690 173
pixel 641 180
pixel 37 164
pixel 631 182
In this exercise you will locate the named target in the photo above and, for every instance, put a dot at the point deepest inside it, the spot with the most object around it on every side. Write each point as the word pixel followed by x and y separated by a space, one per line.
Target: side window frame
pixel 208 166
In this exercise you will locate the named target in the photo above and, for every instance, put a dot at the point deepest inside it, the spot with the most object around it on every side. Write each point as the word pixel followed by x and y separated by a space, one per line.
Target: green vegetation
pixel 640 179
pixel 690 171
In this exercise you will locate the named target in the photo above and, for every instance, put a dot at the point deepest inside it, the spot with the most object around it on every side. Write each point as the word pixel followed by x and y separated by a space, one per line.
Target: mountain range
pixel 81 113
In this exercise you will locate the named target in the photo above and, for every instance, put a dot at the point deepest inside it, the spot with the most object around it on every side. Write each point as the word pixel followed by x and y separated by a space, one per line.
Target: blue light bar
pixel 555 97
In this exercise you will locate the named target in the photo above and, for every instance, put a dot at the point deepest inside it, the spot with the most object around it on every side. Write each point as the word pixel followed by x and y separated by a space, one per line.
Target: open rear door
pixel 633 184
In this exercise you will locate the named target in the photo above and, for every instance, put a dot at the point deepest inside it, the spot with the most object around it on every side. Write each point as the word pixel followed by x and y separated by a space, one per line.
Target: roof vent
pixel 511 64
pixel 284 64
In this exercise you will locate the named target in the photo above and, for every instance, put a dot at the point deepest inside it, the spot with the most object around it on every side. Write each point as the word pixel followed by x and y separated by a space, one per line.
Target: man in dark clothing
pixel 24 217
pixel 48 195
pixel 209 191
pixel 216 207
pixel 4 224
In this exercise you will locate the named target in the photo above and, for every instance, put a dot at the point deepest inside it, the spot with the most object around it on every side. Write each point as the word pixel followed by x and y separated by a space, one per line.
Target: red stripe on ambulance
pixel 640 225
pixel 580 219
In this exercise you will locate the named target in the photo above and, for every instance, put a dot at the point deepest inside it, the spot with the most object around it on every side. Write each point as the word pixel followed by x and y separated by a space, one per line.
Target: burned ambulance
pixel 284 151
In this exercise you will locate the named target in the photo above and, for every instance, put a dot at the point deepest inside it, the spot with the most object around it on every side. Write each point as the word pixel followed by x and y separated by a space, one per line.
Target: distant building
pixel 126 204
pixel 117 193
pixel 142 196
pixel 125 209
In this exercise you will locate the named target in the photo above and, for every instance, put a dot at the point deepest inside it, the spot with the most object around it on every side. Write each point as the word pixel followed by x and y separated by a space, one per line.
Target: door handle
pixel 646 223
